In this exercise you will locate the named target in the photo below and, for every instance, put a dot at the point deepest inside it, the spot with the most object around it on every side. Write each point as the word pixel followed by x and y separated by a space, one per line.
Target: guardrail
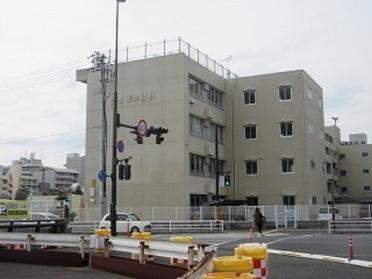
pixel 45 240
pixel 37 226
pixel 187 226
pixel 348 226
pixel 158 226
pixel 187 252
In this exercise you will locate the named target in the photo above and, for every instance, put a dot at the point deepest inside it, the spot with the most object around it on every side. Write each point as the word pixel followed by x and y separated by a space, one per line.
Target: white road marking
pixel 367 264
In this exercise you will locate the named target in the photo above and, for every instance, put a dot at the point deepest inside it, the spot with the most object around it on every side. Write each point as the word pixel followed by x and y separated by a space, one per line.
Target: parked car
pixel 365 212
pixel 325 214
pixel 126 222
pixel 44 217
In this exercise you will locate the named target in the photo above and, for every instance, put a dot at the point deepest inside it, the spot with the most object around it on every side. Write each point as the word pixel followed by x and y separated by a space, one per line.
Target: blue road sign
pixel 102 175
pixel 120 146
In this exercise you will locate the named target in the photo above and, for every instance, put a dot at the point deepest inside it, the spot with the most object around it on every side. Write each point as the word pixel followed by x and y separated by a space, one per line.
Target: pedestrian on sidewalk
pixel 258 220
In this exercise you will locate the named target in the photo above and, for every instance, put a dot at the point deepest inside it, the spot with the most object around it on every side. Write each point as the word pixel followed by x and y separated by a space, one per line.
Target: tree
pixel 21 194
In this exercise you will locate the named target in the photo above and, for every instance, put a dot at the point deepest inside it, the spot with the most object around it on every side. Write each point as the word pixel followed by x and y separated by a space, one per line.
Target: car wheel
pixel 134 229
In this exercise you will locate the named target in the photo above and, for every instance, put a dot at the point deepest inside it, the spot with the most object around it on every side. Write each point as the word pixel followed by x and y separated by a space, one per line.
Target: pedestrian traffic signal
pixel 124 172
pixel 227 181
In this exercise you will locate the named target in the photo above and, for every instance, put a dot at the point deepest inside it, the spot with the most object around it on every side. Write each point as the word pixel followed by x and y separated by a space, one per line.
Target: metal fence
pixel 281 216
pixel 173 46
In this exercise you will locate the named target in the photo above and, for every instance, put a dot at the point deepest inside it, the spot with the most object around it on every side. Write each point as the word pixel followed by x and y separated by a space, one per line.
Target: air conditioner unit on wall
pixel 208 150
pixel 208 113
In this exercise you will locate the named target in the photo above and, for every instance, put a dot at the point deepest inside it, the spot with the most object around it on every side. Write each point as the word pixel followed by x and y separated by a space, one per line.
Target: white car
pixel 126 222
pixel 44 217
pixel 325 214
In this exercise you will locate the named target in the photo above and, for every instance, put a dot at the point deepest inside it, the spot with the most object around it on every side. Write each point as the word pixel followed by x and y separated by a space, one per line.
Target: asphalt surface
pixel 316 242
pixel 28 271
pixel 280 267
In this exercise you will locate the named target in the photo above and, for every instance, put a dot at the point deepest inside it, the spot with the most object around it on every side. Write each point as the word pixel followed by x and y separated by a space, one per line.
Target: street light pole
pixel 114 129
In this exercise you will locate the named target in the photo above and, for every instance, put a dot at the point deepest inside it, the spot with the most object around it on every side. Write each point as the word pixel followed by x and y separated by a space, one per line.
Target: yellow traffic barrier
pixel 258 252
pixel 182 239
pixel 141 235
pixel 103 232
pixel 254 250
pixel 232 264
pixel 228 275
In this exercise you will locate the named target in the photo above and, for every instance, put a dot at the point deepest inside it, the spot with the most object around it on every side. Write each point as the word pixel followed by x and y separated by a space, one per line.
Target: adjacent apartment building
pixel 271 133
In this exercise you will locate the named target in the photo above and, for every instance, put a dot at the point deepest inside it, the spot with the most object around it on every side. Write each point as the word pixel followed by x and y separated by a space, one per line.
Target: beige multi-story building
pixel 271 135
pixel 356 169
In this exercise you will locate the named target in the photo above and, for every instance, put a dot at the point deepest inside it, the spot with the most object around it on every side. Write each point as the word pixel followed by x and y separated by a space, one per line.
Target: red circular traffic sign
pixel 142 128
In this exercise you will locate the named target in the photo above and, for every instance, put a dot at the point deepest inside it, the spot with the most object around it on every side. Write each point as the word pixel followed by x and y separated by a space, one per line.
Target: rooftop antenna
pixel 335 118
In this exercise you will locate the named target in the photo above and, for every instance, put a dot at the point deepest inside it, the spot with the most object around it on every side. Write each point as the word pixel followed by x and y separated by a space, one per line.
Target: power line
pixel 50 135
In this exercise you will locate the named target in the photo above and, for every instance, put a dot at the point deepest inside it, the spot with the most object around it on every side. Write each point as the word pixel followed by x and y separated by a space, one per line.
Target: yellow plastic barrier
pixel 103 232
pixel 182 239
pixel 254 250
pixel 228 275
pixel 247 276
pixel 141 235
pixel 232 264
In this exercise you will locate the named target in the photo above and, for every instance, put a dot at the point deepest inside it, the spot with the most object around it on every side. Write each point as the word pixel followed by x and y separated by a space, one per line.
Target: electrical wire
pixel 50 135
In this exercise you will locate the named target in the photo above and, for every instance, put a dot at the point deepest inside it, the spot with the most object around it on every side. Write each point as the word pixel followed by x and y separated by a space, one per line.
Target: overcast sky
pixel 44 41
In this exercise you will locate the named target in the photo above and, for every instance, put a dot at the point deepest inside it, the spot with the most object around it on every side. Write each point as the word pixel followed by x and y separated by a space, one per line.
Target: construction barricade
pixel 258 252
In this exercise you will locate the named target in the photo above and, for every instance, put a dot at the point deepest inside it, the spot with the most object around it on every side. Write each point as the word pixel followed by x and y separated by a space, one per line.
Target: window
pixel 342 156
pixel 367 188
pixel 314 199
pixel 287 165
pixel 285 93
pixel 289 200
pixel 366 171
pixel 343 190
pixel 327 150
pixel 198 200
pixel 250 97
pixel 364 154
pixel 251 167
pixel 286 128
pixel 205 129
pixel 312 164
pixel 343 172
pixel 329 168
pixel 197 165
pixel 252 200
pixel 205 92
pixel 250 131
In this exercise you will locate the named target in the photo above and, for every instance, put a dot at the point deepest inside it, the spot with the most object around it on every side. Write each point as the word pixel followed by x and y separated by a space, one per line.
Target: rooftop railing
pixel 167 47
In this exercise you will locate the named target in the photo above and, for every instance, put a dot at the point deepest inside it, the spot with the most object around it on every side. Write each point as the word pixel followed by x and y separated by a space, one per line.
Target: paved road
pixel 317 242
pixel 28 271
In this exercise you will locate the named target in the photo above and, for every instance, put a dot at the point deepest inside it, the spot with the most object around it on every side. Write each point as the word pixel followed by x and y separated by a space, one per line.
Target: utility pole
pixel 217 210
pixel 102 63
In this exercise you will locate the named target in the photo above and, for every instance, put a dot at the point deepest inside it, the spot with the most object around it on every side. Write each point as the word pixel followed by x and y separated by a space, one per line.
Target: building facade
pixel 270 132
pixel 76 162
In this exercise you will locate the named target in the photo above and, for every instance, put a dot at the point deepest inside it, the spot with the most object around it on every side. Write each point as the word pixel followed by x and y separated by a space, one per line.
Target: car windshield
pixel 326 210
pixel 53 217
pixel 134 217
pixel 323 211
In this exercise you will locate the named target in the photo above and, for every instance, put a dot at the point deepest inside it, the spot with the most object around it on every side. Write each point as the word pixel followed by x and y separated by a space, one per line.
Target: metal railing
pixel 349 226
pixel 36 226
pixel 173 46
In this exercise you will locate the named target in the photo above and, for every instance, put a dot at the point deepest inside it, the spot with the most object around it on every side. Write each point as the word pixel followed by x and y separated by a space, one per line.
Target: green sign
pixel 11 209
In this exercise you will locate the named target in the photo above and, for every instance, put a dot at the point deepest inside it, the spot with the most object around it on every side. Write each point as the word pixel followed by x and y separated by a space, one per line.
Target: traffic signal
pixel 138 138
pixel 158 132
pixel 124 172
pixel 227 181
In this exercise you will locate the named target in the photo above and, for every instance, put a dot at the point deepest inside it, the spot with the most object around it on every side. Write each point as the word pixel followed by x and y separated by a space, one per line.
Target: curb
pixel 325 258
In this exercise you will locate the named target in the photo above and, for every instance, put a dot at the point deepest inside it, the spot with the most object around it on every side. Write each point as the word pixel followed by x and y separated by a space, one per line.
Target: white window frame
pixel 280 128
pixel 281 165
pixel 364 188
pixel 247 126
pixel 365 173
pixel 246 168
pixel 248 91
pixel 290 92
